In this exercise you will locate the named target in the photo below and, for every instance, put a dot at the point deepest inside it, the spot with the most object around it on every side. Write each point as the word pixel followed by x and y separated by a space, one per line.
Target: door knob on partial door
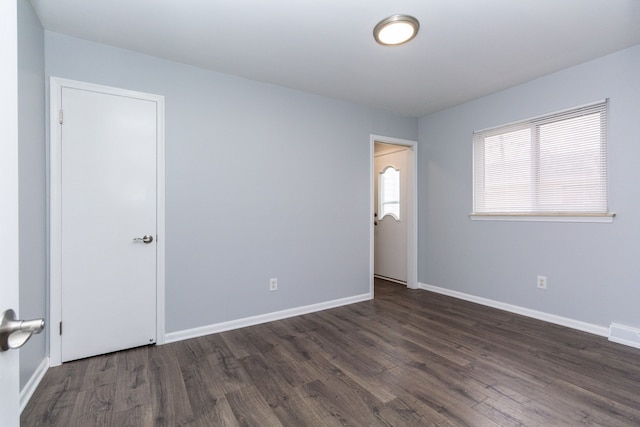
pixel 14 333
pixel 146 239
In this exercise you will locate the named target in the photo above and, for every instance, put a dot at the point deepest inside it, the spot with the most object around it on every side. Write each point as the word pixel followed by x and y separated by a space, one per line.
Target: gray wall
pixel 592 269
pixel 261 182
pixel 32 192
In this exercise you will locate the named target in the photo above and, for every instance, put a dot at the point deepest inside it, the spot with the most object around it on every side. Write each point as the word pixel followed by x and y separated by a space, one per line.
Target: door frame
pixel 55 207
pixel 412 207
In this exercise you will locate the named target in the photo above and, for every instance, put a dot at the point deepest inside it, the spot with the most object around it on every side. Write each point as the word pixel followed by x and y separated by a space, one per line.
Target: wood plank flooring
pixel 407 358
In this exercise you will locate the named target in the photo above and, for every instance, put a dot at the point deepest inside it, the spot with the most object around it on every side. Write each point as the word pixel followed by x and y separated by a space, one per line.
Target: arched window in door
pixel 389 189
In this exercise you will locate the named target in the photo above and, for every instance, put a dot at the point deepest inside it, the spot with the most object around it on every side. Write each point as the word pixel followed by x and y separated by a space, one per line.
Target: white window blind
pixel 550 165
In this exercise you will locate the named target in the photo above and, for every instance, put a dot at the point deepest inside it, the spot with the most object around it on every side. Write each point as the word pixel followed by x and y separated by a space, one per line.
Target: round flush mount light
pixel 396 29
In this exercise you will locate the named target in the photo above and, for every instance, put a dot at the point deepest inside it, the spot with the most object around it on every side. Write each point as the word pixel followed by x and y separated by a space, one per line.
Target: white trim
pixel 625 335
pixel 535 314
pixel 263 318
pixel 388 279
pixel 607 218
pixel 412 206
pixel 31 385
pixel 55 294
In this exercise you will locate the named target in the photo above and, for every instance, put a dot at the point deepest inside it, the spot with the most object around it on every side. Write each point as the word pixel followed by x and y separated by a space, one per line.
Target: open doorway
pixel 393 241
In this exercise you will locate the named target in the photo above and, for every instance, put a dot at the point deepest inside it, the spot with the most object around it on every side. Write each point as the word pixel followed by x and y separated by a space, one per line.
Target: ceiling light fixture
pixel 396 29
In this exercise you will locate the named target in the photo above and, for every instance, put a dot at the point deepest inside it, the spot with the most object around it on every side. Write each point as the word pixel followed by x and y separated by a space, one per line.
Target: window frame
pixel 533 124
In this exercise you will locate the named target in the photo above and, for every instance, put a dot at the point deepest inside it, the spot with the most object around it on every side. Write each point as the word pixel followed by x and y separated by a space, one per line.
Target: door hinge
pixel 60 328
pixel 60 116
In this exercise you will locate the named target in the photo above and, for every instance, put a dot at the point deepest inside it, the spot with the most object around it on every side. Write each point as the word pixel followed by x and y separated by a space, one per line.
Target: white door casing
pixel 107 188
pixel 411 208
pixel 390 233
pixel 9 240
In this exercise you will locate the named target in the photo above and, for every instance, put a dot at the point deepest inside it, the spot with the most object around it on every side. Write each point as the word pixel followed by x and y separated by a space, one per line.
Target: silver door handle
pixel 14 333
pixel 146 239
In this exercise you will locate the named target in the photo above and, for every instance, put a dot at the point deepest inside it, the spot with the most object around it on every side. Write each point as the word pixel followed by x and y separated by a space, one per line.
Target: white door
pixel 390 211
pixel 9 368
pixel 108 203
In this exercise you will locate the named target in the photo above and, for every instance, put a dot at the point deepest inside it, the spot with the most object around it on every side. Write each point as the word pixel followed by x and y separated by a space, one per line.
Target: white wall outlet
pixel 542 282
pixel 273 285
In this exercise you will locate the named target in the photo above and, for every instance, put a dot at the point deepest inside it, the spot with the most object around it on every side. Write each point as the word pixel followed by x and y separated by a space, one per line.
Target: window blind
pixel 554 164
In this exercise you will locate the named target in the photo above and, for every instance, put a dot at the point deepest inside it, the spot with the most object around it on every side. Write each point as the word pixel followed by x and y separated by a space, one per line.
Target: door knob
pixel 14 333
pixel 146 239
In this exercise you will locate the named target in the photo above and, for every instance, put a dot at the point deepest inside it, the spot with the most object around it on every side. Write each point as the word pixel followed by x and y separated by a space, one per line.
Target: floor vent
pixel 624 335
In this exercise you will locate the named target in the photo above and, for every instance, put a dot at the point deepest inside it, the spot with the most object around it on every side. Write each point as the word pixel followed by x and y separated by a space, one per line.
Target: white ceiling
pixel 465 48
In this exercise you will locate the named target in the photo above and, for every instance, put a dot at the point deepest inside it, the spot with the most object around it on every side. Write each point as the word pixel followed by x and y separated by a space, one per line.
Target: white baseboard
pixel 32 384
pixel 389 279
pixel 263 318
pixel 623 334
pixel 535 314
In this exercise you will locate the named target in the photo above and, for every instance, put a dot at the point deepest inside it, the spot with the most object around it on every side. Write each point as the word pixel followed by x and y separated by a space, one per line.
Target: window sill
pixel 604 218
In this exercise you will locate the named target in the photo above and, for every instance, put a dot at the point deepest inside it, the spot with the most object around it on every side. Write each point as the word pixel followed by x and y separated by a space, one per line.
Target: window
pixel 389 187
pixel 555 165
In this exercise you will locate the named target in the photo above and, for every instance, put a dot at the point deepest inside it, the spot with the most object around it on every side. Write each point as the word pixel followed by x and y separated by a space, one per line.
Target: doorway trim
pixel 55 209
pixel 412 207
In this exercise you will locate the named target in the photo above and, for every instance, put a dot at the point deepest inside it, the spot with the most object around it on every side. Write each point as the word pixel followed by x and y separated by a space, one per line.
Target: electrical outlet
pixel 542 282
pixel 273 285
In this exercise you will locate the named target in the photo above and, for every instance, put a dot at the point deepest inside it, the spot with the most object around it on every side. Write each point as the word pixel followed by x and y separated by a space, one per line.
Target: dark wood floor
pixel 408 358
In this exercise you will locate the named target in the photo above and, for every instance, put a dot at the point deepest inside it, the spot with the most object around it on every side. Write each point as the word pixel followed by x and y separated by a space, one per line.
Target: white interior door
pixel 108 199
pixel 9 362
pixel 390 231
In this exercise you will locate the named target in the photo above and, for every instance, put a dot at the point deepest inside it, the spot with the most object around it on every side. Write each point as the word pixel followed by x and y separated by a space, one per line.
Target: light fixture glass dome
pixel 396 29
